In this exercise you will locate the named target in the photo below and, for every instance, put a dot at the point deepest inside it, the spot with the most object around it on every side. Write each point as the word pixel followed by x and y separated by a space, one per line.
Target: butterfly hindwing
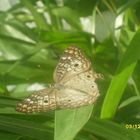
pixel 39 101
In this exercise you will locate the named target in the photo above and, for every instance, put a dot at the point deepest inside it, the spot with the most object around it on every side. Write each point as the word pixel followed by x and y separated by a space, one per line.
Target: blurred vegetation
pixel 33 35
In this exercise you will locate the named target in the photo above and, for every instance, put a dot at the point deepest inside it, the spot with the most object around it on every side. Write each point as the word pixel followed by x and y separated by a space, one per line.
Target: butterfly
pixel 74 85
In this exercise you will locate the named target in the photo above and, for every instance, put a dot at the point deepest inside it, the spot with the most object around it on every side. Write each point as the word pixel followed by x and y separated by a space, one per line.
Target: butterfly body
pixel 74 86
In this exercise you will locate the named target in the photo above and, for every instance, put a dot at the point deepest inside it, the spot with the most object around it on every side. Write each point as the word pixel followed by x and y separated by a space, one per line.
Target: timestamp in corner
pixel 132 126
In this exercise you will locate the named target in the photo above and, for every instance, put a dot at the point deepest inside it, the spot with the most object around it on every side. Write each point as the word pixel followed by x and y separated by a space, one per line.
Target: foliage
pixel 33 35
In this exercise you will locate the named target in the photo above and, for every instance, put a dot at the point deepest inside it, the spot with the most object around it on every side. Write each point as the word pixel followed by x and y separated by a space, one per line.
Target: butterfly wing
pixel 39 101
pixel 58 97
pixel 83 81
pixel 68 97
pixel 71 63
pixel 74 86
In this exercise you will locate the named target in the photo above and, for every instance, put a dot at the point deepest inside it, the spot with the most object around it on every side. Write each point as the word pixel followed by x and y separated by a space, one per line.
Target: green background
pixel 33 36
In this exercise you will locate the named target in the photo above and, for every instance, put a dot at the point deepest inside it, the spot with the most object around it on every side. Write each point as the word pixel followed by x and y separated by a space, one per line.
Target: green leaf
pixel 7 105
pixel 25 128
pixel 82 7
pixel 126 5
pixel 8 136
pixel 110 130
pixel 39 19
pixel 119 81
pixel 69 122
pixel 106 20
pixel 69 15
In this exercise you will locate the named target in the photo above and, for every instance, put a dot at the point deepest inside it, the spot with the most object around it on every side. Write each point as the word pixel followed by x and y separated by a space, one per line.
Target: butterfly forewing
pixel 71 63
